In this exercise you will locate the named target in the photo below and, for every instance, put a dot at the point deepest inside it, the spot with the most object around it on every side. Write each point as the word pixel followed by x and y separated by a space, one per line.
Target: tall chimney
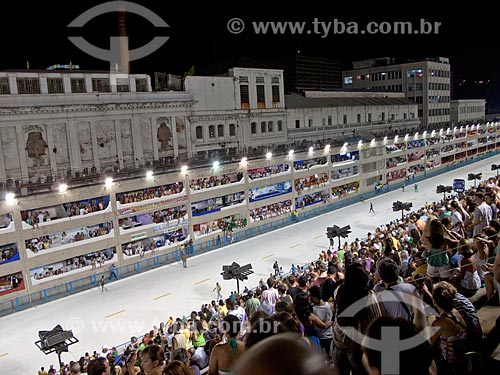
pixel 124 52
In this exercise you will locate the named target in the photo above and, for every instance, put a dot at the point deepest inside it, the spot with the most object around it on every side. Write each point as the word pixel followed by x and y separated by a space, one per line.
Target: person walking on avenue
pixel 371 208
pixel 183 257
pixel 276 268
pixel 113 272
pixel 217 289
pixel 416 188
pixel 101 284
pixel 403 188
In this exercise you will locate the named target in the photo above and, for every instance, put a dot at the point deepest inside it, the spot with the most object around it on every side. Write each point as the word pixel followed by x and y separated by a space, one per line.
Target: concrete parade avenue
pixel 131 306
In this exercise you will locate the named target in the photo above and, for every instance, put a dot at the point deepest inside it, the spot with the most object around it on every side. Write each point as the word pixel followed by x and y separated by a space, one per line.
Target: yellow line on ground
pixel 321 235
pixel 116 313
pixel 163 295
pixel 3 355
pixel 291 247
pixel 268 256
pixel 358 221
pixel 202 281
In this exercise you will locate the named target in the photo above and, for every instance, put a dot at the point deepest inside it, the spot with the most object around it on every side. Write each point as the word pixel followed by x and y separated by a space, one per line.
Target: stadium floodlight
pixel 495 167
pixel 400 206
pixel 474 177
pixel 62 188
pixel 235 271
pixel 336 231
pixel 444 189
pixel 56 340
pixel 10 197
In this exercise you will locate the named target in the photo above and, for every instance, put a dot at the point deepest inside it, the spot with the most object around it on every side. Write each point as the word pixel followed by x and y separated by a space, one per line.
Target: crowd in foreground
pixel 409 274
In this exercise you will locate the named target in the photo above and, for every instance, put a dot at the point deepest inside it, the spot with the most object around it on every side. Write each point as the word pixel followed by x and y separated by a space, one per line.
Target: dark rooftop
pixel 297 101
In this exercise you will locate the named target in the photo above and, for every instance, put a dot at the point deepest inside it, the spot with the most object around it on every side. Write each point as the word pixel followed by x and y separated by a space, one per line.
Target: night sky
pixel 198 36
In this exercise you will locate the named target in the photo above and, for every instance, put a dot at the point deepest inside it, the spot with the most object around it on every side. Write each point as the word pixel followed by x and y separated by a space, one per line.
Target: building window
pixel 78 85
pixel 28 86
pixel 4 85
pixel 253 128
pixel 269 126
pixel 276 93
pixel 297 124
pixel 100 85
pixel 55 85
pixel 211 131
pixel 141 85
pixel 261 96
pixel 329 120
pixel 232 130
pixel 122 85
pixel 369 117
pixel 404 116
pixel 359 118
pixel 199 132
pixel 310 122
pixel 345 119
pixel 220 130
pixel 263 127
pixel 280 126
pixel 244 97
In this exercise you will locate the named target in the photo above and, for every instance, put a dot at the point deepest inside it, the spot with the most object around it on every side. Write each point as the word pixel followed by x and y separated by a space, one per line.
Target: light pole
pixel 474 177
pixel 400 206
pixel 495 167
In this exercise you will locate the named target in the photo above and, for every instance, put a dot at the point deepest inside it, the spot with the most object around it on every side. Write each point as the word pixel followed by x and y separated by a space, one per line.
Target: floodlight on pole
pixel 235 271
pixel 495 167
pixel 269 155
pixel 336 231
pixel 184 169
pixel 108 182
pixel 473 176
pixel 400 206
pixel 149 175
pixel 444 189
pixel 56 340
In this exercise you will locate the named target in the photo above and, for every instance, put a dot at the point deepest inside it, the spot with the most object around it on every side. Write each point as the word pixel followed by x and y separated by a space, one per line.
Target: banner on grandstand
pixel 150 206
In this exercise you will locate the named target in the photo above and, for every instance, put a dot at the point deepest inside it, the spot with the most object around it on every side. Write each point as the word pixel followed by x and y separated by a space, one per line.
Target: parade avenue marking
pixel 116 313
pixel 202 281
pixel 163 295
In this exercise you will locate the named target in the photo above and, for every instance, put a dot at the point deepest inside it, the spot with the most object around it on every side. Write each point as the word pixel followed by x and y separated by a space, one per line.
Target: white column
pixel 118 138
pixel 22 152
pixel 175 144
pixel 75 158
pixel 95 146
pixel 50 146
pixel 138 149
pixel 154 129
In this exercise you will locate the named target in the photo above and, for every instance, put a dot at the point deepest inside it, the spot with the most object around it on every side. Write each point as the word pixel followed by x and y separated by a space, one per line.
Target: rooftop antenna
pixel 28 65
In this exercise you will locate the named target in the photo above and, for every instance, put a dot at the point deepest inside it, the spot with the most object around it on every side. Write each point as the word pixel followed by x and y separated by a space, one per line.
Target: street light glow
pixel 63 188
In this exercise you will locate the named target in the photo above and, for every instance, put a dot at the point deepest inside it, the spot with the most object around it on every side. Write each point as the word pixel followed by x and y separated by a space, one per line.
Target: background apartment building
pixel 425 82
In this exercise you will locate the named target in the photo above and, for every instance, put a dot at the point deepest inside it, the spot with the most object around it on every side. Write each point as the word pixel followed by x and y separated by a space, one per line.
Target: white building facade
pixel 467 110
